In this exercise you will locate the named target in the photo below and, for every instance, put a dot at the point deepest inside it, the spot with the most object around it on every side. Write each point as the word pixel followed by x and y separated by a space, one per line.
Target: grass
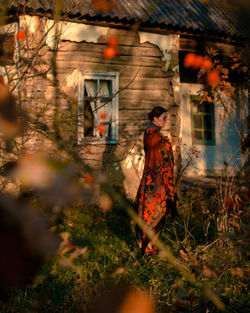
pixel 112 259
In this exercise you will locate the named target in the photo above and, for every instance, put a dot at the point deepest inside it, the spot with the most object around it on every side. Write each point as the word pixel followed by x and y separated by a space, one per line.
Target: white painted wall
pixel 227 141
pixel 73 32
pixel 164 42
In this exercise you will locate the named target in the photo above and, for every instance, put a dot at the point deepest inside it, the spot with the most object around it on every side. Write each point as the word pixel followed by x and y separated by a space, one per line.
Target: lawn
pixel 99 253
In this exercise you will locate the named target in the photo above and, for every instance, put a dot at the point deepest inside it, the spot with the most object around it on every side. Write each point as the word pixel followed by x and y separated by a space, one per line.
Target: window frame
pixel 114 77
pixel 202 141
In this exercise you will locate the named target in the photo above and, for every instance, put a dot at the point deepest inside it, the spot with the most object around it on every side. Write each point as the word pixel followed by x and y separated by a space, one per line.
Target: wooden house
pixel 144 69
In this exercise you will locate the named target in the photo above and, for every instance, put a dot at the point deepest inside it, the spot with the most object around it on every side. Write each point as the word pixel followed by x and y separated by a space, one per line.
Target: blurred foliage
pixel 99 253
pixel 96 265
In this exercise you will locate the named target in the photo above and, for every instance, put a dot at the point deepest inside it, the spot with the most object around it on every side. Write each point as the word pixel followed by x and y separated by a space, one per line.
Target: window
pixel 98 108
pixel 202 118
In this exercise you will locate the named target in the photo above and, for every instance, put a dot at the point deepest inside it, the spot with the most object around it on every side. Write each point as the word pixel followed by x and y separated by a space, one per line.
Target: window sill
pixel 204 143
pixel 90 141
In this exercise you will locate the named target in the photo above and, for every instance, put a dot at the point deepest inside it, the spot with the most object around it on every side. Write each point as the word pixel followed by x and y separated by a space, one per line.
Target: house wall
pixel 141 65
pixel 211 158
pixel 123 162
pixel 148 63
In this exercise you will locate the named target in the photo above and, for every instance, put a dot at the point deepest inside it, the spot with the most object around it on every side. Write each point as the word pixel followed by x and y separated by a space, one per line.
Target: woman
pixel 155 193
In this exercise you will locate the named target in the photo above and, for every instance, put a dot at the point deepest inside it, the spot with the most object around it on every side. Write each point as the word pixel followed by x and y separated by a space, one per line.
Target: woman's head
pixel 158 116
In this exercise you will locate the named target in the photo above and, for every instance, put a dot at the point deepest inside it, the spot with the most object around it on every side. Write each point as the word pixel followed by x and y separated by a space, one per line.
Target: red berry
pixel 101 129
pixel 113 42
pixel 213 78
pixel 189 59
pixel 207 64
pixel 89 179
pixel 109 53
pixel 21 35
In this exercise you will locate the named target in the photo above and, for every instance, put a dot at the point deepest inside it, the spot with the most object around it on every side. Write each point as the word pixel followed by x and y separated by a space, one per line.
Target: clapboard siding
pixel 133 83
pixel 124 70
pixel 145 83
pixel 142 85
pixel 142 82
pixel 77 58
pixel 144 94
pixel 135 50
pixel 126 104
pixel 132 115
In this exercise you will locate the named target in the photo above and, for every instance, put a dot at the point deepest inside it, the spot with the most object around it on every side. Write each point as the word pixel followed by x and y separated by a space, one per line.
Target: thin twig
pixel 211 244
pixel 33 57
pixel 116 93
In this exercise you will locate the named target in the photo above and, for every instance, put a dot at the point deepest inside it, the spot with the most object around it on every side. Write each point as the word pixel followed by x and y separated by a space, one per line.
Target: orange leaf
pixel 235 224
pixel 103 5
pixel 79 281
pixel 4 92
pixel 228 202
pixel 237 272
pixel 89 179
pixel 235 66
pixel 70 245
pixel 2 80
pixel 208 273
pixel 137 301
pixel 184 255
pixel 104 115
pixel 10 129
pixel 237 197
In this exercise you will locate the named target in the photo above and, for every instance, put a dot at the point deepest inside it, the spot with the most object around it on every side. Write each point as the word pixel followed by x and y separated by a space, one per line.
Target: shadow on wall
pixel 117 219
pixel 112 168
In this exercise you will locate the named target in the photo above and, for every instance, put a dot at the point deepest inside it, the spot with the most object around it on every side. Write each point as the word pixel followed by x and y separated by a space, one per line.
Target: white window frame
pixel 114 77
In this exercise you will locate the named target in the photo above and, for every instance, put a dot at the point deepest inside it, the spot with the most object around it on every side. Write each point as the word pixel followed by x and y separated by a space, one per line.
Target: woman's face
pixel 161 120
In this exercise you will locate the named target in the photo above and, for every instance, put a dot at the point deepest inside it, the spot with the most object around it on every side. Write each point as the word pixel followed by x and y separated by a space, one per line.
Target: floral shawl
pixel 156 186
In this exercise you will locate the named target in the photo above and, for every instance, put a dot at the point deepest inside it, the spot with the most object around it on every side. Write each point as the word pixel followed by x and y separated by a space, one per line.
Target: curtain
pixel 105 93
pixel 90 86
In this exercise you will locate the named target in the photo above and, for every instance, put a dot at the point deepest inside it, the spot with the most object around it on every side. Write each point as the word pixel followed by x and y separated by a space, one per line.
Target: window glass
pixel 207 122
pixel 98 110
pixel 198 134
pixel 202 121
pixel 208 135
pixel 197 121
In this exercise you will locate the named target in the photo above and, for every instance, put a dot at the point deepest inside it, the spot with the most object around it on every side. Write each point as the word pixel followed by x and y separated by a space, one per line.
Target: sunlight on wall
pixel 32 22
pixel 132 167
pixel 8 28
pixel 72 80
